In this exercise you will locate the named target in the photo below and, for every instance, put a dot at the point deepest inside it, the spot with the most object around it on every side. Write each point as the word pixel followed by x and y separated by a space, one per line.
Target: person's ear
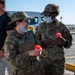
pixel 54 15
pixel 17 23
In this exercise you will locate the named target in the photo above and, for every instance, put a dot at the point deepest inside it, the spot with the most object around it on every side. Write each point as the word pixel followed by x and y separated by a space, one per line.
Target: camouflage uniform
pixel 52 57
pixel 17 47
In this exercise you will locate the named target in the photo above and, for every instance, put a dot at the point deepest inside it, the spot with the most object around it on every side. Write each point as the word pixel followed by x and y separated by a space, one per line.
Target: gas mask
pixel 48 19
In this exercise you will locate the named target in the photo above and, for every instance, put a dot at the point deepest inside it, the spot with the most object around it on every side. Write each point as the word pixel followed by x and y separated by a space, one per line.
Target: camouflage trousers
pixel 53 68
pixel 27 73
pixel 52 62
pixel 28 69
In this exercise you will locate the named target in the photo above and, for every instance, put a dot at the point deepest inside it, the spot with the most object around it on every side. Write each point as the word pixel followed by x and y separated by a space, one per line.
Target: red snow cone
pixel 38 47
pixel 58 35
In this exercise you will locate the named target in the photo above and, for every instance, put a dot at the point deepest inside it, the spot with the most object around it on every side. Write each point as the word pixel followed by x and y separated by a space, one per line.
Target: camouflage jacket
pixel 17 47
pixel 47 33
pixel 52 49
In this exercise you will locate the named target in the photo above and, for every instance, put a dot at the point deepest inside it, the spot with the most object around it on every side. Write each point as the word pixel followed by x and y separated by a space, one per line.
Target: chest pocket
pixel 26 43
pixel 52 32
pixel 49 31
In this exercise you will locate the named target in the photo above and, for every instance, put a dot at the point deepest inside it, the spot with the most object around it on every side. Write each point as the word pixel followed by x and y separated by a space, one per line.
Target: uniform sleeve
pixel 13 54
pixel 11 50
pixel 39 35
pixel 67 36
pixel 36 40
pixel 38 32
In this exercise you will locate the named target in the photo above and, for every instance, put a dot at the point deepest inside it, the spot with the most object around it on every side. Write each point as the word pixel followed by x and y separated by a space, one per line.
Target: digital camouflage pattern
pixel 53 54
pixel 51 8
pixel 20 15
pixel 17 47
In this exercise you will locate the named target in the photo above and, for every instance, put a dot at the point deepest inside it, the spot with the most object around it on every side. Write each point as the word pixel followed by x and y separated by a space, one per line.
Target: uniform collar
pixel 17 34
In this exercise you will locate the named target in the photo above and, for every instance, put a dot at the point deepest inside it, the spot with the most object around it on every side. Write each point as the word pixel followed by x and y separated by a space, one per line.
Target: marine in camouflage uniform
pixel 52 57
pixel 18 47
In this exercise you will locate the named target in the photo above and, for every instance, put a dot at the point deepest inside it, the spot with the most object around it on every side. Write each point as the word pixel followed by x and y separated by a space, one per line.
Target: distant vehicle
pixel 34 22
pixel 71 27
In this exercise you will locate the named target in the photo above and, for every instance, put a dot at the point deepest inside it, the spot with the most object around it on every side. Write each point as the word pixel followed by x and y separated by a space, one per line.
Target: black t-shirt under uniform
pixel 4 20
